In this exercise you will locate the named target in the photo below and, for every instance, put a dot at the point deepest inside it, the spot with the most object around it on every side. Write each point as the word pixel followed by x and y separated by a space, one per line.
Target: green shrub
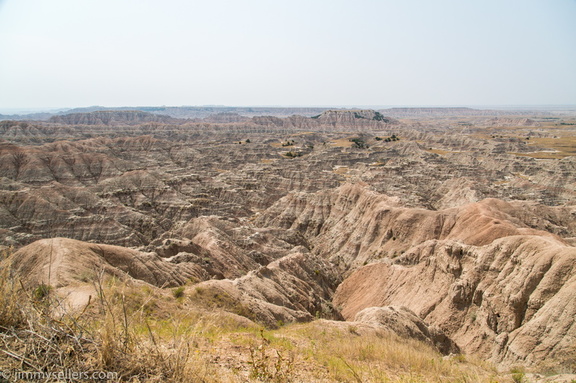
pixel 178 292
pixel 42 291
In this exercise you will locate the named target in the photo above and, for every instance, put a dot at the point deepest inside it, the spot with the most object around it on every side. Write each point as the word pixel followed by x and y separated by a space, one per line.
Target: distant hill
pixel 207 111
pixel 456 111
pixel 123 117
pixel 32 116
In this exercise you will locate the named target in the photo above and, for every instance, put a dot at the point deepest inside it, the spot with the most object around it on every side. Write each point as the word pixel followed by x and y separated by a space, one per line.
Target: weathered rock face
pixel 474 278
pixel 508 301
pixel 352 117
pixel 62 262
pixel 333 120
pixel 144 179
pixel 226 118
pixel 464 241
pixel 227 249
pixel 355 225
pixel 294 287
pixel 478 272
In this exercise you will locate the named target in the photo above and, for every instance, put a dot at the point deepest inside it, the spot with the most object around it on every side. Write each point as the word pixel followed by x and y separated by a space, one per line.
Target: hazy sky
pixel 68 53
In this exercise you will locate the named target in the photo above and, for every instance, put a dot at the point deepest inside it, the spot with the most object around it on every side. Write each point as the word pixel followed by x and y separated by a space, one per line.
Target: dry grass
pixel 557 148
pixel 542 155
pixel 112 333
pixel 217 299
pixel 564 145
pixel 439 151
pixel 347 355
pixel 10 298
pixel 341 169
pixel 268 160
pixel 342 143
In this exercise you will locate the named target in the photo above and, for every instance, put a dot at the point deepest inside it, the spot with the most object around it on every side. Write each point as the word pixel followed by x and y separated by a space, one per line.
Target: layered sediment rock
pixel 439 230
pixel 478 272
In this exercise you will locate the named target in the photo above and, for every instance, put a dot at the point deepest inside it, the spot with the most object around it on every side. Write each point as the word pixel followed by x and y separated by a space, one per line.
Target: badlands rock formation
pixel 478 272
pixel 434 228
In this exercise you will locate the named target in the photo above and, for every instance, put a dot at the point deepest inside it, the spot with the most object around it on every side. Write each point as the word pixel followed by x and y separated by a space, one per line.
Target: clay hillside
pixel 224 244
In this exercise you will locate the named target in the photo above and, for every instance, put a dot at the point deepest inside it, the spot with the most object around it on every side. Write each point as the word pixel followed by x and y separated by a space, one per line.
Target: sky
pixel 75 53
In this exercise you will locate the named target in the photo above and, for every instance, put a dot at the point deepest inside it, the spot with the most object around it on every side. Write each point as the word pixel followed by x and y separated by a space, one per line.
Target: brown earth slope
pixel 496 286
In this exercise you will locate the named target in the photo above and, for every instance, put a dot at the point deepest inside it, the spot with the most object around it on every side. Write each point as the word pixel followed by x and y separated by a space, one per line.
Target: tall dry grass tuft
pixel 11 314
pixel 33 337
pixel 134 345
pixel 39 333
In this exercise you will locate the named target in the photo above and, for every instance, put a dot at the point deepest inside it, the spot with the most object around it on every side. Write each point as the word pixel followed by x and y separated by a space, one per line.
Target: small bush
pixel 379 117
pixel 42 292
pixel 178 292
pixel 359 143
pixel 518 375
pixel 292 154
pixel 353 330
pixel 268 364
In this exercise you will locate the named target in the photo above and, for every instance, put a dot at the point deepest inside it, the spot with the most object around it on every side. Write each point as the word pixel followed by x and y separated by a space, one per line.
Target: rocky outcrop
pixel 478 272
pixel 294 288
pixel 505 301
pixel 225 118
pixel 502 121
pixel 226 249
pixel 352 117
pixel 333 120
pixel 473 278
pixel 62 262
pixel 355 225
